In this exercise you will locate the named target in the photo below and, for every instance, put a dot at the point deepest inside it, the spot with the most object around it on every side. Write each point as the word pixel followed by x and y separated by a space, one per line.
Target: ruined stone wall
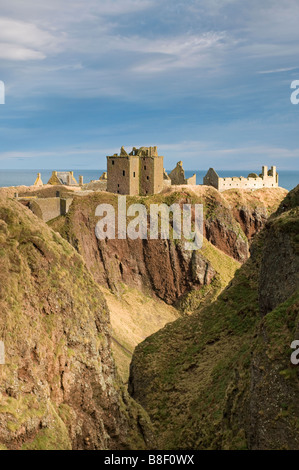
pixel 191 180
pixel 177 176
pixel 211 179
pixel 54 179
pixel 267 179
pixel 47 209
pixel 248 183
pixel 65 204
pixel 166 183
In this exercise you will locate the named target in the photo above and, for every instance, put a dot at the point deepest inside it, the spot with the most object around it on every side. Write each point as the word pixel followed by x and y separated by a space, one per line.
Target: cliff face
pixel 160 267
pixel 222 378
pixel 280 278
pixel 59 388
pixel 157 267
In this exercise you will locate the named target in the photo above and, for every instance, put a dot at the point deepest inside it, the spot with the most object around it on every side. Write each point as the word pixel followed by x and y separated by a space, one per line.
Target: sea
pixel 287 179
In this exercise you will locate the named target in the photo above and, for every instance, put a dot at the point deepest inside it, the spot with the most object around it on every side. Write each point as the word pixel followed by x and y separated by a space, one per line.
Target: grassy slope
pixel 186 368
pixel 269 198
pixel 134 316
pixel 55 325
pixel 194 377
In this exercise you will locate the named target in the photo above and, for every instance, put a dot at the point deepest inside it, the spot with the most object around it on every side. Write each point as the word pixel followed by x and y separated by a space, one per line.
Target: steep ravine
pixel 222 378
pixel 162 270
pixel 59 388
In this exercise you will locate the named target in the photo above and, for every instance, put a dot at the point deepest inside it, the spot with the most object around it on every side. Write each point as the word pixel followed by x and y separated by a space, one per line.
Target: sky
pixel 208 82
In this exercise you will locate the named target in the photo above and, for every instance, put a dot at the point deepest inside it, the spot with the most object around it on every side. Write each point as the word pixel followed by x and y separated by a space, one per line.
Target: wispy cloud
pixel 21 41
pixel 60 152
pixel 19 53
pixel 288 69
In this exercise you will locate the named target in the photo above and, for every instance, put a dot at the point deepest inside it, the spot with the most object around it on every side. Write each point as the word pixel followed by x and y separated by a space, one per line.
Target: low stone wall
pixel 100 185
pixel 191 180
pixel 246 183
pixel 48 208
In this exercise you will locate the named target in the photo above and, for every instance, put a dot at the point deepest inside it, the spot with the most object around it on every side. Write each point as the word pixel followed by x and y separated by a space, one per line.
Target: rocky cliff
pixel 59 388
pixel 222 378
pixel 138 263
pixel 163 269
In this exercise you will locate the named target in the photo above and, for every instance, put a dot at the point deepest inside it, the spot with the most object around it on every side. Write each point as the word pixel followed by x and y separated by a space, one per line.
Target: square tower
pixel 137 173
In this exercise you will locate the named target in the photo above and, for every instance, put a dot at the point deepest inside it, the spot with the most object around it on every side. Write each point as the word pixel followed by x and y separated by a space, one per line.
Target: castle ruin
pixel 64 178
pixel 267 179
pixel 177 176
pixel 137 173
pixel 141 173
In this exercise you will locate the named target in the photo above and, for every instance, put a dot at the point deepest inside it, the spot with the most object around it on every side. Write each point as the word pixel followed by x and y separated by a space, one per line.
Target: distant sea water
pixel 287 179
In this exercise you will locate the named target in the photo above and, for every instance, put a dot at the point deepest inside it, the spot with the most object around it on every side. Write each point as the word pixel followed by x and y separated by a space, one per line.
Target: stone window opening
pixel 147 177
pixel 124 173
pixel 145 167
pixel 112 162
pixel 134 174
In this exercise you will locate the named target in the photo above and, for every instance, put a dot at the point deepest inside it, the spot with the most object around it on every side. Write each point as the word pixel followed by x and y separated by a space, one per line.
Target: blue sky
pixel 206 81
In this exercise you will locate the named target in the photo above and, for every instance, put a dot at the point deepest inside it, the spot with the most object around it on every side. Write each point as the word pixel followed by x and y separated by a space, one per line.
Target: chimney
pixel 265 171
pixel 274 174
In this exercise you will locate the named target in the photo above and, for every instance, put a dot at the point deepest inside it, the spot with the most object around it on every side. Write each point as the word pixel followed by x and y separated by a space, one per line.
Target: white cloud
pixel 25 33
pixel 16 52
pixel 180 52
pixel 22 41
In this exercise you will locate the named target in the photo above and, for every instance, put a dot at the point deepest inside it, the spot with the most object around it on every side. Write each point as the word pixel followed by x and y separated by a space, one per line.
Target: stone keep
pixel 137 173
pixel 2 353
